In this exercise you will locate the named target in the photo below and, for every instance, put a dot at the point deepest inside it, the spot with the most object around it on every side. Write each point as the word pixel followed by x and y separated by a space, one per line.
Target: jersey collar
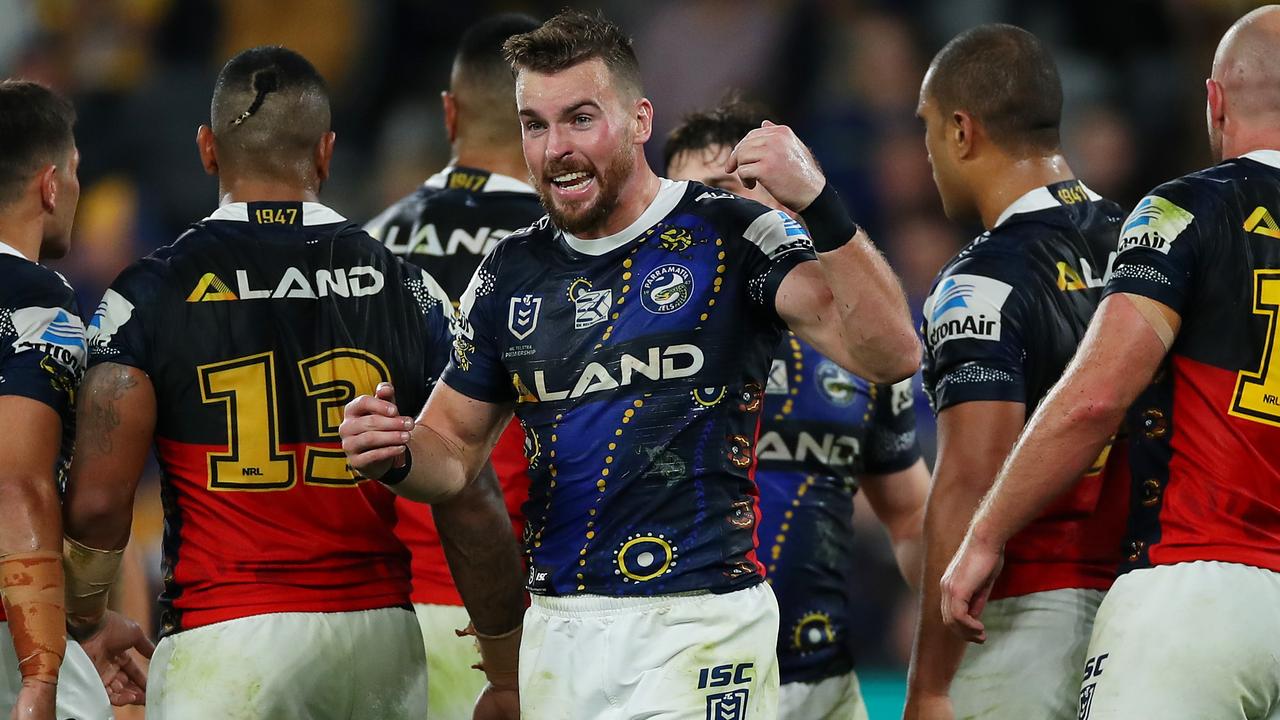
pixel 1266 157
pixel 497 182
pixel 312 213
pixel 669 194
pixel 7 249
pixel 1034 201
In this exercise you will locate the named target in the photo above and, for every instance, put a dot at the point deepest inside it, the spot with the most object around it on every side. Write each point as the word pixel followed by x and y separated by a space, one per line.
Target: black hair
pixel 36 129
pixel 270 107
pixel 1006 79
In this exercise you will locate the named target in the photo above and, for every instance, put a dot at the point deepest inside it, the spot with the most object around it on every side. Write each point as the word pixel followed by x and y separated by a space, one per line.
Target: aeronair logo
pixel 965 306
pixel 1154 224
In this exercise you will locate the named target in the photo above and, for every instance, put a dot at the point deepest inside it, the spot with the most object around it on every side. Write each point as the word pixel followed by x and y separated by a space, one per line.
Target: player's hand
pixel 933 707
pixel 116 648
pixel 37 700
pixel 374 433
pixel 773 156
pixel 497 704
pixel 966 586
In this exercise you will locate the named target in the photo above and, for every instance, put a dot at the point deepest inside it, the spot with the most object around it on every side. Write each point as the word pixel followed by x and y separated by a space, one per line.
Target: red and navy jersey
pixel 637 365
pixel 1207 461
pixel 1001 324
pixel 256 327
pixel 446 227
pixel 823 428
pixel 42 345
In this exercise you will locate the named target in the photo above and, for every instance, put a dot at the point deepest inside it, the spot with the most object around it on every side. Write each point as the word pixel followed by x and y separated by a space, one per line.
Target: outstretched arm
pixel 898 501
pixel 1125 344
pixel 849 305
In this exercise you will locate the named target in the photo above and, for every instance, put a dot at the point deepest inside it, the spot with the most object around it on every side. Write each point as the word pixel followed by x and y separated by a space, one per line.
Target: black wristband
pixel 396 475
pixel 830 226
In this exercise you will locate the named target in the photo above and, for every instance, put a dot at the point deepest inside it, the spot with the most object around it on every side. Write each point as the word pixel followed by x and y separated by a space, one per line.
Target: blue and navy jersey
pixel 1206 461
pixel 42 345
pixel 637 364
pixel 823 428
pixel 1002 322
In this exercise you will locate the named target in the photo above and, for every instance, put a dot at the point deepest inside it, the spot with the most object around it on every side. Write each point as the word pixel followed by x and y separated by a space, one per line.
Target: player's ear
pixel 48 182
pixel 1215 103
pixel 324 154
pixel 207 145
pixel 961 132
pixel 450 103
pixel 643 120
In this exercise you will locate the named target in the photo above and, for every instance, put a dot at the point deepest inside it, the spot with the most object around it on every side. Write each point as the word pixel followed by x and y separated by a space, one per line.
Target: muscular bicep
pixel 974 438
pixel 806 304
pixel 28 452
pixel 115 425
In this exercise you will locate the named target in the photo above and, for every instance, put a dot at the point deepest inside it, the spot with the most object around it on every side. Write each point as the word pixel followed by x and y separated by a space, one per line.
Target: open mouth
pixel 573 181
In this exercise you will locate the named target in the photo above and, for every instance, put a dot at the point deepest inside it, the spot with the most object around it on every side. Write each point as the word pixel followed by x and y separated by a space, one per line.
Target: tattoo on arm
pixel 103 389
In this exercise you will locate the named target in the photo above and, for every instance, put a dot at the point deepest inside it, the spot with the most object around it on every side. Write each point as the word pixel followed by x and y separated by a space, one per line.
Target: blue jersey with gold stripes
pixel 824 428
pixel 637 365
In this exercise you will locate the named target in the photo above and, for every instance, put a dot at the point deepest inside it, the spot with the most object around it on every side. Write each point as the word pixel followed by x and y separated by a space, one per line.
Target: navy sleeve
pixel 1160 244
pixel 974 332
pixel 475 366
pixel 777 245
pixel 892 444
pixel 42 344
pixel 119 331
pixel 437 316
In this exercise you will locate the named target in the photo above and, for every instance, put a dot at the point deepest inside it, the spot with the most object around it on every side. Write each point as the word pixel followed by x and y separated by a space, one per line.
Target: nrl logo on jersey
pixel 357 281
pixel 965 306
pixel 522 315
pixel 1154 224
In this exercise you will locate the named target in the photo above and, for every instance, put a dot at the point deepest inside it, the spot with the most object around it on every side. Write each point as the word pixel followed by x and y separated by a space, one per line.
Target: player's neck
pixel 509 163
pixel 1011 178
pixel 22 231
pixel 1244 142
pixel 635 197
pixel 262 190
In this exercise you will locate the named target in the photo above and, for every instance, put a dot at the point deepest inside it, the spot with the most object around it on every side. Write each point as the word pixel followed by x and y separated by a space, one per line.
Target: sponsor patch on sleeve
pixel 113 312
pixel 1155 223
pixel 965 306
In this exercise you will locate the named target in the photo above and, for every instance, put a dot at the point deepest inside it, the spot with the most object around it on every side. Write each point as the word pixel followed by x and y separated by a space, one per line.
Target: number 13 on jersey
pixel 246 386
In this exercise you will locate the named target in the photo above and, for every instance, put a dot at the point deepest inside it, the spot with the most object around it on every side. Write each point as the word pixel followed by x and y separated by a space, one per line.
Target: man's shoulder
pixel 28 283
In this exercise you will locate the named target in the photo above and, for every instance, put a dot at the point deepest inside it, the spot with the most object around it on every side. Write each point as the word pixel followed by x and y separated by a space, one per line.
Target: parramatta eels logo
pixel 666 289
pixel 812 632
pixel 644 557
pixel 836 384
pixel 522 315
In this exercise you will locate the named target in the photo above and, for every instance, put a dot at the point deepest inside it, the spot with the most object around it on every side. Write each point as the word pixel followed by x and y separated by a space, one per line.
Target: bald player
pixel 1000 325
pixel 1191 630
pixel 446 227
pixel 286 592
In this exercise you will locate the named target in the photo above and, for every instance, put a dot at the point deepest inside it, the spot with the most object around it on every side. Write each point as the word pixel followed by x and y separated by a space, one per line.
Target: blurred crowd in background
pixel 844 73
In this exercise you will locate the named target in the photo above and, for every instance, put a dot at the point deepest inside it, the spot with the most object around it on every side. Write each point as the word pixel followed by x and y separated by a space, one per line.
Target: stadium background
pixel 845 74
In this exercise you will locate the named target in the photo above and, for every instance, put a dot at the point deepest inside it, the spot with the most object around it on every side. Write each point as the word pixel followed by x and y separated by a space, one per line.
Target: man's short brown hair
pixel 574 37
pixel 35 130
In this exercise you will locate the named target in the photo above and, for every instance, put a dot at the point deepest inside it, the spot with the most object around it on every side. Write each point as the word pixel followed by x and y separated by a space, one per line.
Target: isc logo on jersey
pixel 1154 224
pixel 965 306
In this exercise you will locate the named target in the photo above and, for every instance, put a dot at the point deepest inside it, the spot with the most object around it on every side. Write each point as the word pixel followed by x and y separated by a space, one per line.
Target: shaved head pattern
pixel 270 108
